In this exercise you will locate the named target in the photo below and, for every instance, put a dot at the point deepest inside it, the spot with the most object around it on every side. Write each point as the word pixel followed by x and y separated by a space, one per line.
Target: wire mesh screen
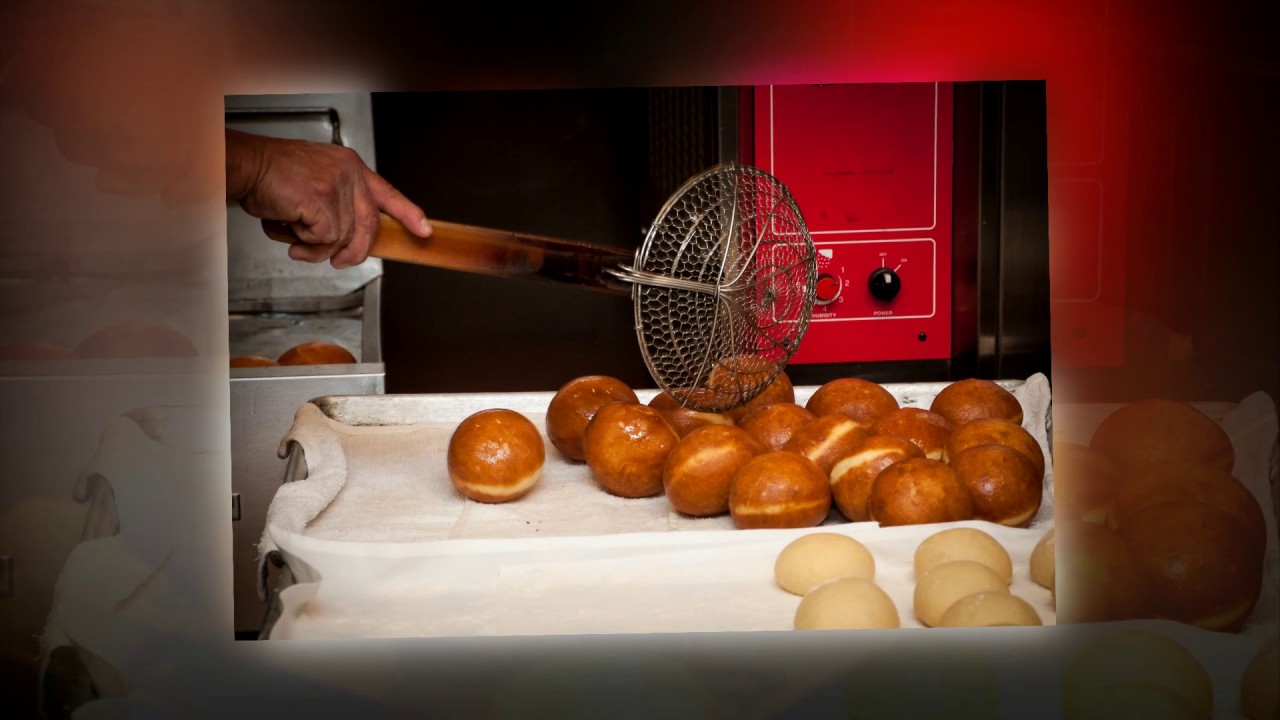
pixel 738 232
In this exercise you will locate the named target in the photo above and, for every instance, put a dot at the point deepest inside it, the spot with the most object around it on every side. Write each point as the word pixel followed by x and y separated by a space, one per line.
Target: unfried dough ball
pixel 963 544
pixel 1085 481
pixel 847 604
pixel 817 558
pixel 990 609
pixel 1042 561
pixel 1259 691
pixel 1130 658
pixel 942 586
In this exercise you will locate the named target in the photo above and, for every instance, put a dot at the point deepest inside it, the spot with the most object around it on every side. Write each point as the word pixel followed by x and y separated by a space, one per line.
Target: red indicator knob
pixel 828 289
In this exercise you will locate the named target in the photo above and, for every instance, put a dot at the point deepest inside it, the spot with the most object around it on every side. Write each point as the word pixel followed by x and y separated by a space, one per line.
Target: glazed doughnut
pixel 1190 481
pixel 779 490
pixel 1198 562
pixel 827 440
pixel 573 406
pixel 928 430
pixel 683 419
pixel 1101 579
pixel 973 399
pixel 998 432
pixel 918 491
pixel 316 353
pixel 699 469
pixel 743 375
pixel 1152 432
pixel 626 447
pixel 780 390
pixel 862 400
pixel 495 456
pixel 1002 483
pixel 773 425
pixel 252 361
pixel 853 476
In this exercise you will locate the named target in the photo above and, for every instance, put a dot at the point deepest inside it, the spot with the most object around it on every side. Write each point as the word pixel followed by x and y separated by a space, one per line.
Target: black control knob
pixel 884 284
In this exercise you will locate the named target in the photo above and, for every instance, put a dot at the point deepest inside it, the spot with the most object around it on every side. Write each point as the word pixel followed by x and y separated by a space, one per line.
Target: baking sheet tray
pixel 381 545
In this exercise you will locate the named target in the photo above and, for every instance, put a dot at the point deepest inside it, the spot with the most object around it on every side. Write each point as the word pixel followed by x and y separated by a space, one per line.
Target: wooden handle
pixel 467 248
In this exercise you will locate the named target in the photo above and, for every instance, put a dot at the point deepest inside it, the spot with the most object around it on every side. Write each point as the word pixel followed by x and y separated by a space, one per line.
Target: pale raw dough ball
pixel 847 604
pixel 817 558
pixel 1042 561
pixel 1125 702
pixel 1259 692
pixel 990 609
pixel 963 544
pixel 1132 657
pixel 945 584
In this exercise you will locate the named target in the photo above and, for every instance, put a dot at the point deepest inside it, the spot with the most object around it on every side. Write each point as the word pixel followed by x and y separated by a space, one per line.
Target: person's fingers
pixel 395 204
pixel 317 223
pixel 363 234
pixel 346 214
pixel 310 253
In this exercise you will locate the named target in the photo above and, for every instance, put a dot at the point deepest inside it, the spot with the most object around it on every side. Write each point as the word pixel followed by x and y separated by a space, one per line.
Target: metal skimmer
pixel 723 286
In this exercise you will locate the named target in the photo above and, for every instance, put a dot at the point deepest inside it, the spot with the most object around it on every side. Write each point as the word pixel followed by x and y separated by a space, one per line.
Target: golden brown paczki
pixel 779 490
pixel 626 446
pixel 573 406
pixel 496 456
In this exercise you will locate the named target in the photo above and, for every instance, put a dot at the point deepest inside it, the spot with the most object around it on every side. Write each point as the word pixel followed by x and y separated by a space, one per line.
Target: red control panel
pixel 870 168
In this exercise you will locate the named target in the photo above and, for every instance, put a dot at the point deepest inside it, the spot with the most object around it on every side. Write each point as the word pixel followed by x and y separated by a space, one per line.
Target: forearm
pixel 244 164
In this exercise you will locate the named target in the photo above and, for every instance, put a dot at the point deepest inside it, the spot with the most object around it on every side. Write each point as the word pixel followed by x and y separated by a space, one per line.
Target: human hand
pixel 324 192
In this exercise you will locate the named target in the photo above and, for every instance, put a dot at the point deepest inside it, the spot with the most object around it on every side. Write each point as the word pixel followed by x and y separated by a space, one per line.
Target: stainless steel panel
pixel 262 408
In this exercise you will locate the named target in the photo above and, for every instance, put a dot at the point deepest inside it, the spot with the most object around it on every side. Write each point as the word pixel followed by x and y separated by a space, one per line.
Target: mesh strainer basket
pixel 723 287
